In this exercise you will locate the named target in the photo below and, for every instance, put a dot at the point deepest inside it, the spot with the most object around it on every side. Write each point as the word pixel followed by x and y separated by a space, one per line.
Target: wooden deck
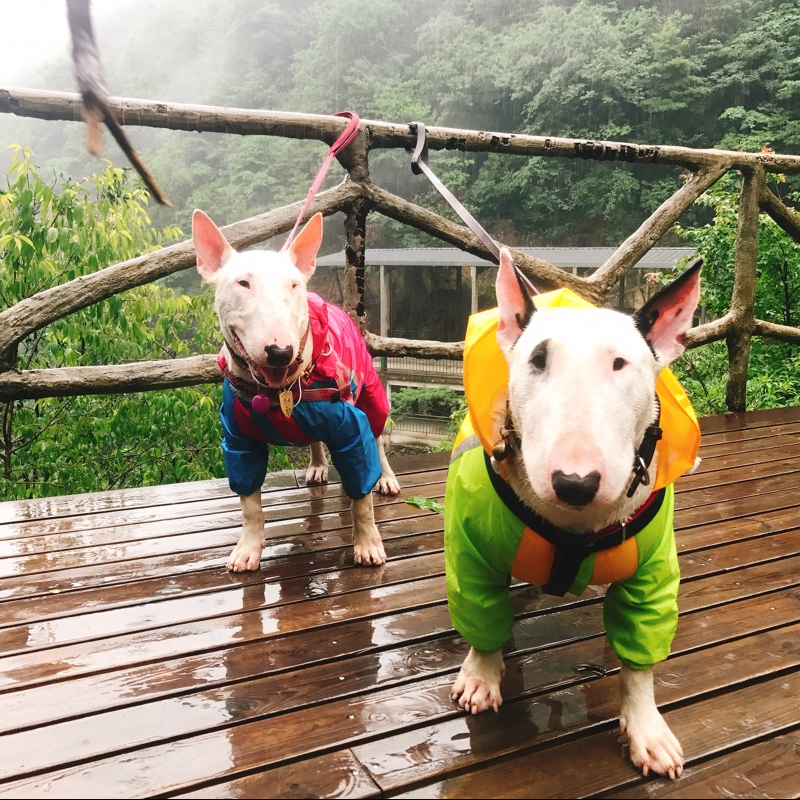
pixel 133 665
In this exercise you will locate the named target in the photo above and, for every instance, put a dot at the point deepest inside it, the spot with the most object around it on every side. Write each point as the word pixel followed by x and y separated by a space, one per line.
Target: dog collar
pixel 645 452
pixel 249 389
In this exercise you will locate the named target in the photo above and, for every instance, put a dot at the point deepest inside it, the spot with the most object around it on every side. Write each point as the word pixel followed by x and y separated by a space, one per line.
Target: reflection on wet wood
pixel 132 664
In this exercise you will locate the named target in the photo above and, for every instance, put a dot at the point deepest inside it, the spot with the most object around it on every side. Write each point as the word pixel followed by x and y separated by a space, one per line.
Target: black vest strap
pixel 572 548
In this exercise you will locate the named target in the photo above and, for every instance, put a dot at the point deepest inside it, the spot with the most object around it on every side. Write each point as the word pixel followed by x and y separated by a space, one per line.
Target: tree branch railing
pixel 357 197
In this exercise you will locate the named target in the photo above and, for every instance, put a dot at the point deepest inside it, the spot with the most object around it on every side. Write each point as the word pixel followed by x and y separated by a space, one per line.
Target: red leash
pixel 344 139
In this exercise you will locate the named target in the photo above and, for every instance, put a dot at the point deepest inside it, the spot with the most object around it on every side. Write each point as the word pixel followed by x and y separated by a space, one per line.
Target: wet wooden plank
pixel 749 435
pixel 466 743
pixel 782 487
pixel 276 608
pixel 740 471
pixel 47 598
pixel 780 439
pixel 328 775
pixel 319 551
pixel 749 419
pixel 766 769
pixel 185 715
pixel 279 505
pixel 177 765
pixel 135 673
pixel 292 574
pixel 335 527
pixel 93 503
pixel 738 457
pixel 556 772
pixel 422 629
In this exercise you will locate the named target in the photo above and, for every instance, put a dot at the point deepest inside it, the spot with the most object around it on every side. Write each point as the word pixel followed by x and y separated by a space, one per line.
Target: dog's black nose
pixel 279 356
pixel 575 489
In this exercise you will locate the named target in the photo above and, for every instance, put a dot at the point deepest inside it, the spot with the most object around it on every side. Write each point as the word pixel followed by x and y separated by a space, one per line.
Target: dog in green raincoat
pixel 562 476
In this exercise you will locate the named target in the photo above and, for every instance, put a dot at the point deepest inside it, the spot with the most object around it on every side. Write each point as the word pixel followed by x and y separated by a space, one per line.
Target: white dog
pixel 297 371
pixel 567 499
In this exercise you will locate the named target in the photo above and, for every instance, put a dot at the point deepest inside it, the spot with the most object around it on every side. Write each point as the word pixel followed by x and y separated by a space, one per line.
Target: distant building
pixel 429 293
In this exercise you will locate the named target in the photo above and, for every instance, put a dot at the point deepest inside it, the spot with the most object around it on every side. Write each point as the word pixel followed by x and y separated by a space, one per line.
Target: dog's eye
pixel 619 363
pixel 295 284
pixel 538 357
pixel 244 283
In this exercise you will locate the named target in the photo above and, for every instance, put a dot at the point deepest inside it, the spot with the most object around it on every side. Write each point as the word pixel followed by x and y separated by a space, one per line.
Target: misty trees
pixel 705 75
pixel 51 233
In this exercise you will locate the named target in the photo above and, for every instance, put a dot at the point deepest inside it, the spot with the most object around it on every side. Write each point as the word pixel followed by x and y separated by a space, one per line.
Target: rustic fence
pixel 357 196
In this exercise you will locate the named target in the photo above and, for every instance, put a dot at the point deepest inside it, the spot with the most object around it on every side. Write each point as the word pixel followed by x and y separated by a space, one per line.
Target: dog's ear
pixel 211 246
pixel 664 319
pixel 514 304
pixel 303 250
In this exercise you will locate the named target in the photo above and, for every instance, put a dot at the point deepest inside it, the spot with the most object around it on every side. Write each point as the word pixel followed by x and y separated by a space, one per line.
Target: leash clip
pixel 641 475
pixel 421 150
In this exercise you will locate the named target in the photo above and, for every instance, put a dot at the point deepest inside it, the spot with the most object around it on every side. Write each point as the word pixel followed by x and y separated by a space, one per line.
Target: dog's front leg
pixel 653 746
pixel 318 468
pixel 367 544
pixel 477 687
pixel 247 553
pixel 387 483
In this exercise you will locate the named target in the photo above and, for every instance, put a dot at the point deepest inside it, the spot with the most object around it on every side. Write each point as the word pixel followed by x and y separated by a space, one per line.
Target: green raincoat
pixel 483 549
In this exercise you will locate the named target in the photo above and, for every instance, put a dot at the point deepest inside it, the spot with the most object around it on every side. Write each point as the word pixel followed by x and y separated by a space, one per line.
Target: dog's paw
pixel 246 556
pixel 368 549
pixel 654 748
pixel 477 687
pixel 317 474
pixel 475 696
pixel 388 484
pixel 370 555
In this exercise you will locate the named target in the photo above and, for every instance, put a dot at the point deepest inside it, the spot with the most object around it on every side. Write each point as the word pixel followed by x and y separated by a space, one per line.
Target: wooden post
pixel 744 291
pixel 384 297
pixel 473 303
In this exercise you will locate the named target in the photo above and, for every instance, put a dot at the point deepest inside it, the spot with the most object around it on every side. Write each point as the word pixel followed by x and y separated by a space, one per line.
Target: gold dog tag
pixel 287 402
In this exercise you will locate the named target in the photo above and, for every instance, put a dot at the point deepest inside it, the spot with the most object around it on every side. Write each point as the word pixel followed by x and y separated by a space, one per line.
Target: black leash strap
pixel 419 164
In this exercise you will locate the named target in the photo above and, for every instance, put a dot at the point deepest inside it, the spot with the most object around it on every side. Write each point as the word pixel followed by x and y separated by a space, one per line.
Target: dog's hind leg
pixel 247 553
pixel 318 468
pixel 477 687
pixel 653 746
pixel 387 483
pixel 367 545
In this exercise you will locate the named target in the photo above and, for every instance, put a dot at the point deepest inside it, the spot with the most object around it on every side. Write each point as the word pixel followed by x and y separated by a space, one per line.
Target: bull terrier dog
pixel 297 372
pixel 562 496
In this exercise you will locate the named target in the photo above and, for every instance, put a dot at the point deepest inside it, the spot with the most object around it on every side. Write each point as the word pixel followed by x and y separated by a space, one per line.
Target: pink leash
pixel 347 136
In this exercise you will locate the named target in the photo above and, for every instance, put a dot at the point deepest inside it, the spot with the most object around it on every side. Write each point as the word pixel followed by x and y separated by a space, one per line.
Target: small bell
pixel 261 404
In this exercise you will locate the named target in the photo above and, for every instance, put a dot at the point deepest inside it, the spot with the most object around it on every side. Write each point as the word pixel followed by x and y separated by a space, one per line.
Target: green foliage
pixel 428 503
pixel 50 234
pixel 686 73
pixel 426 401
pixel 435 402
pixel 778 267
pixel 774 372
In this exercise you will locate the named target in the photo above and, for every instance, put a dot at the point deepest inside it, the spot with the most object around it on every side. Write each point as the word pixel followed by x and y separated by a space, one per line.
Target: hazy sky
pixel 35 31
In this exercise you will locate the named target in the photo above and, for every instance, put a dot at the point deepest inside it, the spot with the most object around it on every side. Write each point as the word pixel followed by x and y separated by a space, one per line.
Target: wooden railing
pixel 357 196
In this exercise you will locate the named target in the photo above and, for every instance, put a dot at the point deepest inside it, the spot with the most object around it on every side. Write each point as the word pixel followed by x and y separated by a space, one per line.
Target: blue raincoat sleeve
pixel 245 459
